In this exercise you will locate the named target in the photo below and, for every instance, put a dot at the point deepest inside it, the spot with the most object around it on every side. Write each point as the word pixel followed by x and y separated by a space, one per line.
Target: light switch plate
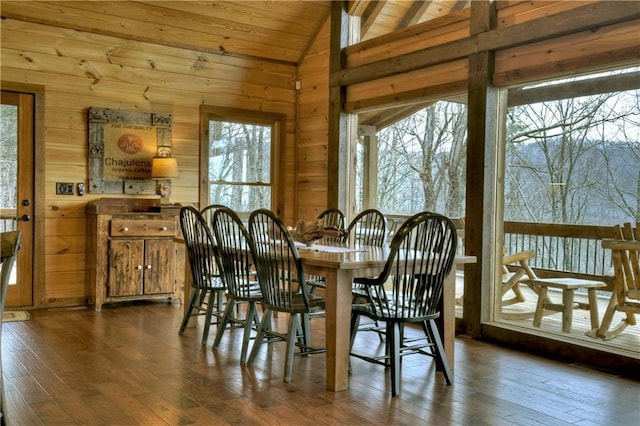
pixel 64 188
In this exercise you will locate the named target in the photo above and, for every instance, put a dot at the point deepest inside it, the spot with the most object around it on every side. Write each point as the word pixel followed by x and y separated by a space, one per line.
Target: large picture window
pixel 572 156
pixel 238 159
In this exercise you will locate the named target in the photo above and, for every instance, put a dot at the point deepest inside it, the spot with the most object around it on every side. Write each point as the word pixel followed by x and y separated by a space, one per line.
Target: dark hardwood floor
pixel 127 365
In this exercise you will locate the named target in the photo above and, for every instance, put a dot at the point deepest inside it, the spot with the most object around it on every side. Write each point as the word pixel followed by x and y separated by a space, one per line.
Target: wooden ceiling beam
pixel 357 7
pixel 413 15
pixel 589 17
pixel 386 118
pixel 370 15
pixel 574 89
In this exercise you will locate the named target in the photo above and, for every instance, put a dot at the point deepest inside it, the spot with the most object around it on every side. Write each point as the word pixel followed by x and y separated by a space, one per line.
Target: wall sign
pixel 121 146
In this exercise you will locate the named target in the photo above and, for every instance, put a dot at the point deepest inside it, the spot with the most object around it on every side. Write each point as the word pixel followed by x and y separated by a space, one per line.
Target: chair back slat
pixel 278 263
pixel 208 212
pixel 368 228
pixel 332 218
pixel 200 248
pixel 234 258
pixel 412 289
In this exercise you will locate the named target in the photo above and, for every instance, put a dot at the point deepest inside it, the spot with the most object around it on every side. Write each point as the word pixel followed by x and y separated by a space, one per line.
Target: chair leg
pixel 252 316
pixel 214 296
pixel 292 333
pixel 226 319
pixel 429 338
pixel 187 315
pixel 355 323
pixel 264 324
pixel 393 343
pixel 441 356
pixel 306 330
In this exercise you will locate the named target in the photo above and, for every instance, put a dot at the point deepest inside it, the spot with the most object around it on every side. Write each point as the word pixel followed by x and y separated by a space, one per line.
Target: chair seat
pixel 298 305
pixel 391 313
pixel 212 282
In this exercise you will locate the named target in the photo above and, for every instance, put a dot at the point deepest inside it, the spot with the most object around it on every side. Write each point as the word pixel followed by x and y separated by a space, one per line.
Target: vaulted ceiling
pixel 266 30
pixel 278 31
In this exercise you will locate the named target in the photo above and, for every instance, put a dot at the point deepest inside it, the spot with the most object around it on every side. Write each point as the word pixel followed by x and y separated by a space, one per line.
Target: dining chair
pixel 368 228
pixel 207 288
pixel 284 288
pixel 332 218
pixel 9 246
pixel 208 212
pixel 235 265
pixel 408 291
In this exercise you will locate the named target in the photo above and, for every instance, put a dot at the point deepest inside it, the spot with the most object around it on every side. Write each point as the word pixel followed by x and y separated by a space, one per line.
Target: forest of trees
pixel 567 161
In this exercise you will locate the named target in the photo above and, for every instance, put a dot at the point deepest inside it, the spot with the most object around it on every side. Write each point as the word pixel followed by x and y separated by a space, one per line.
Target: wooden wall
pixel 313 118
pixel 80 70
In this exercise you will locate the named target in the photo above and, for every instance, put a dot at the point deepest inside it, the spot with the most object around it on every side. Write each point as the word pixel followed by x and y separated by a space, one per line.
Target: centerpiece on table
pixel 309 232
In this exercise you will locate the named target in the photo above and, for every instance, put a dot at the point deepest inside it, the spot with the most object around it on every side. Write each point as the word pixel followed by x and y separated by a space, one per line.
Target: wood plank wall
pixel 80 70
pixel 313 117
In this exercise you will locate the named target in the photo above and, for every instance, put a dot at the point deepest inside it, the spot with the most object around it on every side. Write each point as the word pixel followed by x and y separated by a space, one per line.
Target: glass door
pixel 17 130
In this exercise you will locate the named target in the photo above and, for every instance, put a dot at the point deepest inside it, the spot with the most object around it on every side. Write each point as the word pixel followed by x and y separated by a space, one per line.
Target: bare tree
pixel 421 164
pixel 560 177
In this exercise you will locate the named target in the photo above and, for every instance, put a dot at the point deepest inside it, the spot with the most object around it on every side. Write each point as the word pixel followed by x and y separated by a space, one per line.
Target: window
pixel 572 156
pixel 238 161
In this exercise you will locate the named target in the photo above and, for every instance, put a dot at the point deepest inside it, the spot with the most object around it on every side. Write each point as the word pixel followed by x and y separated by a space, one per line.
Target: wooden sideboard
pixel 132 251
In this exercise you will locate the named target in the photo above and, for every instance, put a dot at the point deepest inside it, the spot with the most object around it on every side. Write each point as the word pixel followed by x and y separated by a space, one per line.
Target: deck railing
pixel 574 250
pixel 561 250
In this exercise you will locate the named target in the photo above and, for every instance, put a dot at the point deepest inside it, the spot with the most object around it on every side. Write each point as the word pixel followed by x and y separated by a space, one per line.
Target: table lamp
pixel 162 170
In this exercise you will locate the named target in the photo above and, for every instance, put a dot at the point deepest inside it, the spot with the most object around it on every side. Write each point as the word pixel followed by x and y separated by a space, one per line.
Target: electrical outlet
pixel 64 188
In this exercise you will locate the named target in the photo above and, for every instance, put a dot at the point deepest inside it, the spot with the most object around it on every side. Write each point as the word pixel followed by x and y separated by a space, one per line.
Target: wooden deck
pixel 627 343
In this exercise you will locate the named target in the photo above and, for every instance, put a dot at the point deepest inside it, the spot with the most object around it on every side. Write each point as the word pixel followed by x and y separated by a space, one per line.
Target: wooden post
pixel 483 195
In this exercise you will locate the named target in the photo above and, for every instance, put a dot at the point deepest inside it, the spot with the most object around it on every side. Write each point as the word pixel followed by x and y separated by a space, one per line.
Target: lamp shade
pixel 164 167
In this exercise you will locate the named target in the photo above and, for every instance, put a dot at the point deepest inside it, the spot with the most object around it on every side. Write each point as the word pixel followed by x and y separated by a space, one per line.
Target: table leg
pixel 447 321
pixel 593 308
pixel 567 309
pixel 542 297
pixel 338 307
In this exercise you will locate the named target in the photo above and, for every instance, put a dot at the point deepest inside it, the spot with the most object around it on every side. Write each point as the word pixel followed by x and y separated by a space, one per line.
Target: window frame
pixel 274 120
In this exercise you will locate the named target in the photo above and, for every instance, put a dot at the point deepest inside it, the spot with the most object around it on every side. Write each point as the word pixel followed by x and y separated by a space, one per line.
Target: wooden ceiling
pixel 278 30
pixel 275 31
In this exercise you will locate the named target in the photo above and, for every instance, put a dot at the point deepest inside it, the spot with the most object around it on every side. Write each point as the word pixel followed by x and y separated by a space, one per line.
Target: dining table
pixel 339 265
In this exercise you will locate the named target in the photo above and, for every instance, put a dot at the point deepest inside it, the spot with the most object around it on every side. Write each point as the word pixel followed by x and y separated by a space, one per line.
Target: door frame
pixel 38 219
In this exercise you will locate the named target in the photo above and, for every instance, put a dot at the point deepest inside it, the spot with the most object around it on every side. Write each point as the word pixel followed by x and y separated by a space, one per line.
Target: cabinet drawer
pixel 142 228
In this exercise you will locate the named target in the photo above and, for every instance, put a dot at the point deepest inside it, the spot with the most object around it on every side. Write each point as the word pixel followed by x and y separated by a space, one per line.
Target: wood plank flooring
pixel 127 365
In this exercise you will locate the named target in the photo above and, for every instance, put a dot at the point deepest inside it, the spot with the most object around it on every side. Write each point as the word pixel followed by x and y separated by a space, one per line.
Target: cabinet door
pixel 125 267
pixel 160 266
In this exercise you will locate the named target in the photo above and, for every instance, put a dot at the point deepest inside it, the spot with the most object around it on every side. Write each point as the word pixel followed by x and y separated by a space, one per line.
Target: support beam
pixel 337 145
pixel 481 218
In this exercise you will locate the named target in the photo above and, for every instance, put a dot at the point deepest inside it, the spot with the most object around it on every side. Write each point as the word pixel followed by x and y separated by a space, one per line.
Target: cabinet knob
pixel 164 228
pixel 139 267
pixel 125 229
pixel 148 266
